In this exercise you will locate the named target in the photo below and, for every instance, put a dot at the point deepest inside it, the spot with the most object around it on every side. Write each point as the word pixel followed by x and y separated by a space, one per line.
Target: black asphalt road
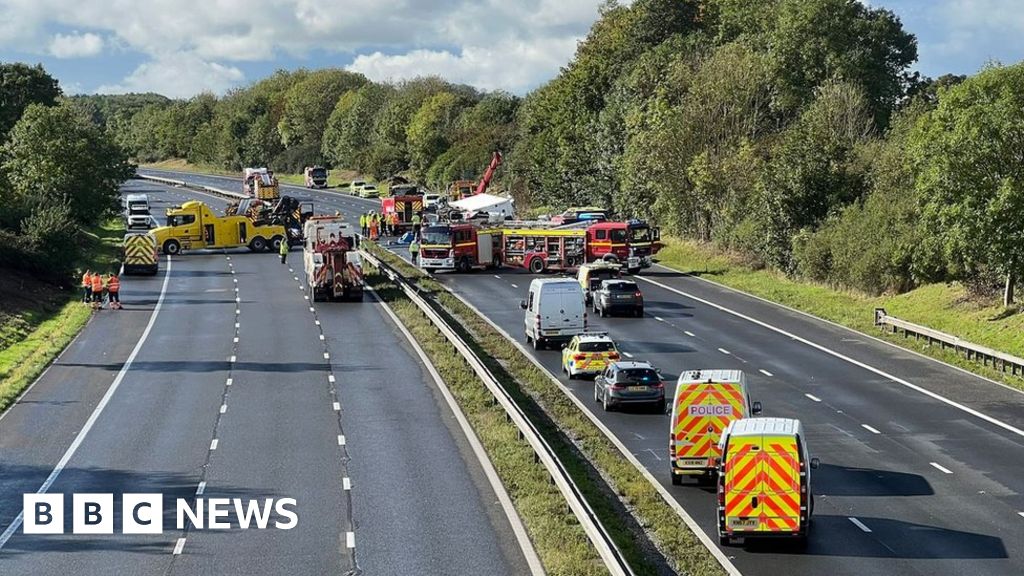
pixel 909 483
pixel 360 438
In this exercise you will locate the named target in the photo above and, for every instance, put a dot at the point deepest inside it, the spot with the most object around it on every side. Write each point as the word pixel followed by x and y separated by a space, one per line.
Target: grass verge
pixel 659 522
pixel 38 320
pixel 560 541
pixel 945 307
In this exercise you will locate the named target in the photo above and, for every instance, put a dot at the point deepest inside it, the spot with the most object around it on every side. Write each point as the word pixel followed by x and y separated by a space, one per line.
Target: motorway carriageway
pixel 922 463
pixel 242 388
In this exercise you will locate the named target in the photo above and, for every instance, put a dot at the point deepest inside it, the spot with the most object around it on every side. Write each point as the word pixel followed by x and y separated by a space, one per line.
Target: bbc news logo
pixel 144 513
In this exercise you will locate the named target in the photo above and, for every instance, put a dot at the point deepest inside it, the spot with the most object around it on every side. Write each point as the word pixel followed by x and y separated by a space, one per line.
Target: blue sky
pixel 181 47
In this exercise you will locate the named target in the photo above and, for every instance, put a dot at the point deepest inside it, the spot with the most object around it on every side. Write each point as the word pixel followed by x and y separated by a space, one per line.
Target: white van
pixel 136 211
pixel 555 311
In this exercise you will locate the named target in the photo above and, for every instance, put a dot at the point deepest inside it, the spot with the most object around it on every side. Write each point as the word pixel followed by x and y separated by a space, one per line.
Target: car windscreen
pixel 596 347
pixel 640 234
pixel 622 287
pixel 638 375
pixel 318 172
pixel 437 235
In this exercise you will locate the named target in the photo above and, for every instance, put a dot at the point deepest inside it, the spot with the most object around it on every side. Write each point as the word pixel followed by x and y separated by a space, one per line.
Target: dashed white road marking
pixel 346 483
pixel 305 296
pixel 337 406
pixel 690 334
pixel 236 339
pixel 498 277
pixel 178 546
pixel 341 439
pixel 859 524
pixel 724 351
pixel 223 408
pixel 213 444
pixel 870 429
pixel 311 309
pixel 239 300
pixel 321 336
pixel 813 397
pixel 627 354
pixel 317 322
pixel 350 540
pixel 327 356
pixel 1021 514
pixel 766 373
pixel 228 383
pixel 659 318
pixel 330 378
pixel 653 453
pixel 941 468
pixel 235 280
pixel 515 286
pixel 201 488
pixel 233 358
pixel 236 325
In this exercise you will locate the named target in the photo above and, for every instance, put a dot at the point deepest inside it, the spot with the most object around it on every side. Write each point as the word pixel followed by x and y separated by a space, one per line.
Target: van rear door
pixel 742 463
pixel 780 485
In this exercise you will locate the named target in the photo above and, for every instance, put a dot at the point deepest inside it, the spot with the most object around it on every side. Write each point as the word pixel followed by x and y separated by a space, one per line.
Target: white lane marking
pixel 296 278
pixel 178 546
pixel 228 257
pixel 236 339
pixel 724 351
pixel 306 297
pixel 859 524
pixel 350 540
pixel 659 318
pixel 201 488
pixel 653 453
pixel 515 286
pixel 627 354
pixel 327 356
pixel 236 325
pixel 290 270
pixel 813 397
pixel 223 408
pixel 114 385
pixel 346 483
pixel 233 358
pixel 337 406
pixel 311 309
pixel 341 439
pixel 230 380
pixel 690 334
pixel 829 351
pixel 941 468
pixel 214 443
pixel 235 280
pixel 321 336
pixel 498 277
pixel 237 311
pixel 766 373
pixel 238 300
pixel 330 378
pixel 870 429
pixel 317 322
pixel 1021 514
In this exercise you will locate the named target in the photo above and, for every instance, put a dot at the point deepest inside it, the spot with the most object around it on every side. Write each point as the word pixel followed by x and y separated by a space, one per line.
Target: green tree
pixel 309 103
pixel 22 85
pixel 346 140
pixel 968 152
pixel 430 130
pixel 56 155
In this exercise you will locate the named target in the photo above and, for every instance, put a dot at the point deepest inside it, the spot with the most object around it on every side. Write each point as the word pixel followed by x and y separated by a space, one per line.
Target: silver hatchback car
pixel 630 383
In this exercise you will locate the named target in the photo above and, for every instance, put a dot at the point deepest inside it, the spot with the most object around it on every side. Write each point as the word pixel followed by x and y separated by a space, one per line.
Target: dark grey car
pixel 618 296
pixel 630 383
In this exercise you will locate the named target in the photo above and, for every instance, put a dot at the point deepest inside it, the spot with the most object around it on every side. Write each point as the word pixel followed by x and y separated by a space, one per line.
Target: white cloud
pixel 491 43
pixel 76 45
pixel 177 75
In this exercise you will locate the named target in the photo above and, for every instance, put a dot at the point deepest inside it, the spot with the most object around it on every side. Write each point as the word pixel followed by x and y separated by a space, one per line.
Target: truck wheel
pixel 724 541
pixel 496 263
pixel 528 339
pixel 258 244
pixel 275 243
pixel 537 265
pixel 677 479
pixel 634 271
pixel 538 343
pixel 172 247
pixel 464 265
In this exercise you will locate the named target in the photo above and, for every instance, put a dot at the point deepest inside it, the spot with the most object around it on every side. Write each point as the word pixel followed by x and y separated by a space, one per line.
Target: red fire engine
pixel 461 247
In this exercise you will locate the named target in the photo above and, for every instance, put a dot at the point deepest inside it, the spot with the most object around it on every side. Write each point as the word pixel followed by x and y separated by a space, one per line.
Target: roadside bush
pixel 49 237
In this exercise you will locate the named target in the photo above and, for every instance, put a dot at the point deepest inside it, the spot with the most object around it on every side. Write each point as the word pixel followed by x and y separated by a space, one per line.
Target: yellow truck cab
pixel 194 226
pixel 705 402
pixel 764 481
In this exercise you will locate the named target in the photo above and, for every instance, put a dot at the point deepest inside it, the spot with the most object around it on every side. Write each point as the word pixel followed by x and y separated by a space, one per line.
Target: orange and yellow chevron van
pixel 764 481
pixel 706 401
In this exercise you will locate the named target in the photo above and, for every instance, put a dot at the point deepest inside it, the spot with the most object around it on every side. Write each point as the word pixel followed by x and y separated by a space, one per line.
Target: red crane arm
pixel 489 174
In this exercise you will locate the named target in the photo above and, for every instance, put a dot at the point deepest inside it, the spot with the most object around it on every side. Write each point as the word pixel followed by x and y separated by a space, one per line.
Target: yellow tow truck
pixel 194 226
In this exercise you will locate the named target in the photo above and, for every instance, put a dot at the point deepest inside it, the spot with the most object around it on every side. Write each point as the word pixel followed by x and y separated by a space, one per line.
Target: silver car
pixel 624 383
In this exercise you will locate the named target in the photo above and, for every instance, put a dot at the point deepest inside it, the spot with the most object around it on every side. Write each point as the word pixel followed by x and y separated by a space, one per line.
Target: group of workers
pixel 94 286
pixel 374 225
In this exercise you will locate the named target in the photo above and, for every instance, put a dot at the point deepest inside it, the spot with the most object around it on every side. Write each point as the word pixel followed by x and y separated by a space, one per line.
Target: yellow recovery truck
pixel 194 226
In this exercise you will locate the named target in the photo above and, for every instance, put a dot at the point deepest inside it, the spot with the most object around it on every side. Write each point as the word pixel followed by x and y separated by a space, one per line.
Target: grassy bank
pixel 660 523
pixel 37 320
pixel 945 307
pixel 560 541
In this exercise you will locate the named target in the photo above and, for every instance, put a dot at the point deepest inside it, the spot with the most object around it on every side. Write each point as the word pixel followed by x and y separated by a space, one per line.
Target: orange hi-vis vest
pixel 86 280
pixel 113 284
pixel 97 283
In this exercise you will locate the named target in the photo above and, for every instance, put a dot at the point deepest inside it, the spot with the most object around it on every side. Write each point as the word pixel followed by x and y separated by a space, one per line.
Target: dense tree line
pixel 790 131
pixel 59 173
